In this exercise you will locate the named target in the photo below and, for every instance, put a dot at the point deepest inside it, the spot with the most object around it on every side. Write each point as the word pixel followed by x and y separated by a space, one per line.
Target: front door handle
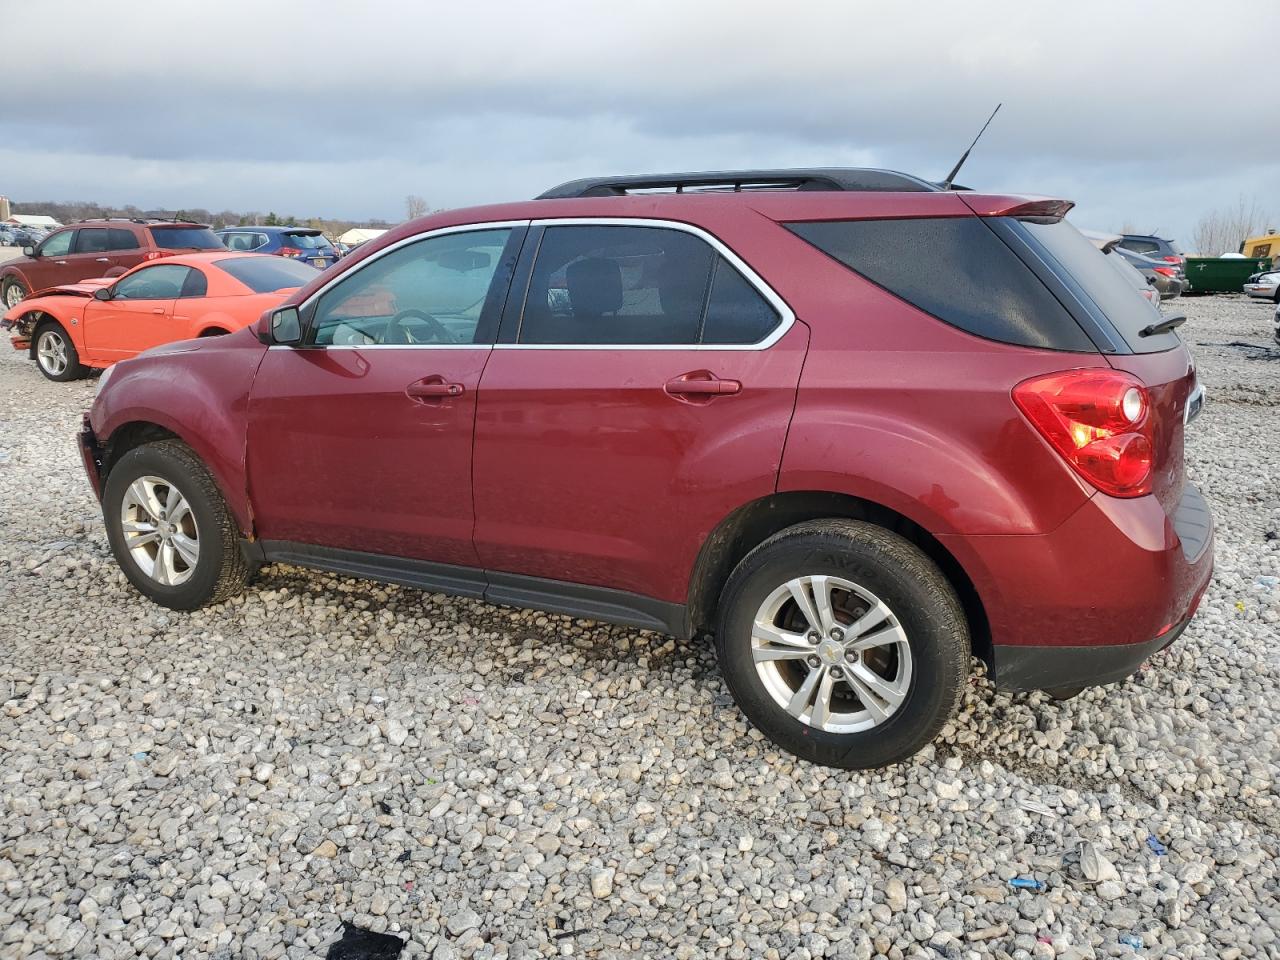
pixel 157 309
pixel 702 383
pixel 103 260
pixel 433 388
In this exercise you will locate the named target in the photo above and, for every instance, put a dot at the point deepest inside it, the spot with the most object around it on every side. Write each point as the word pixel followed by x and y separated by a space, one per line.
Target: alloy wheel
pixel 160 530
pixel 831 654
pixel 51 352
pixel 13 295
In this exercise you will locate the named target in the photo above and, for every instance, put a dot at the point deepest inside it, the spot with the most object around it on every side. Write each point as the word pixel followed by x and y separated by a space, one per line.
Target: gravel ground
pixel 238 782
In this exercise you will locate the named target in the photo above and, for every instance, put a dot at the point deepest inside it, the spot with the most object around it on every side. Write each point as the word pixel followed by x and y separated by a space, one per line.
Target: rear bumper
pixel 1089 602
pixel 1050 668
pixel 91 456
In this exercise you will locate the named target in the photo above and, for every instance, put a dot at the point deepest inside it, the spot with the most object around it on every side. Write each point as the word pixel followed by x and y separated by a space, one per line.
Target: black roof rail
pixel 830 179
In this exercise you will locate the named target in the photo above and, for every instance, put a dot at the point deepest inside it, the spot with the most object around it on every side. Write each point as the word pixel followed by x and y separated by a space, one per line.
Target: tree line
pixel 73 211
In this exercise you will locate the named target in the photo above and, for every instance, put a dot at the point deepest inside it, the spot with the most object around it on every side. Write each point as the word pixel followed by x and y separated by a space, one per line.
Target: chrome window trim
pixel 787 317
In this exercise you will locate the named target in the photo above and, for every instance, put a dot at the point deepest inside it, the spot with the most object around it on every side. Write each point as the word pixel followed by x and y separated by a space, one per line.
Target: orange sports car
pixel 71 328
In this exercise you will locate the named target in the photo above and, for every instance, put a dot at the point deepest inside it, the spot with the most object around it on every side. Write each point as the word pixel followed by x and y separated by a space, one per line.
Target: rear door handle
pixel 702 384
pixel 433 388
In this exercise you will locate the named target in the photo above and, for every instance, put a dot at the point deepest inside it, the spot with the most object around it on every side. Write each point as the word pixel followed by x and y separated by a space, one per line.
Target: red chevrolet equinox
pixel 857 427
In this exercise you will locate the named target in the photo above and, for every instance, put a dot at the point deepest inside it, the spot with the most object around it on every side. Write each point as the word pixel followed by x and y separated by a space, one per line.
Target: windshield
pixel 185 238
pixel 262 273
pixel 306 241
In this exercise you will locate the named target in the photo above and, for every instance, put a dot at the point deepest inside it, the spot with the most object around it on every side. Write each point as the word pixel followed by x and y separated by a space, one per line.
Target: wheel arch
pixel 750 525
pixel 134 432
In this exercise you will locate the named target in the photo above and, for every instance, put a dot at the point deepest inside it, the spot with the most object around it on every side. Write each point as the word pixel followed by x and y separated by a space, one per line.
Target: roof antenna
pixel 950 178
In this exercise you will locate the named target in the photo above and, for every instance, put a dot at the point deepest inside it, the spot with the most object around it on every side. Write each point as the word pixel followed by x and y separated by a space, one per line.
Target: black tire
pixel 896 572
pixel 221 569
pixel 6 292
pixel 52 332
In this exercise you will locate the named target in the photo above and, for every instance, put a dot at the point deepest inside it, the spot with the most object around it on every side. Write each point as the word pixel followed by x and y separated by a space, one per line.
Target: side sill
pixel 508 589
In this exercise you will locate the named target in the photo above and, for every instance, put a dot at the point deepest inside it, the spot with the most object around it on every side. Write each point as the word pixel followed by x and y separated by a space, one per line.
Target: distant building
pixel 4 209
pixel 360 235
pixel 31 220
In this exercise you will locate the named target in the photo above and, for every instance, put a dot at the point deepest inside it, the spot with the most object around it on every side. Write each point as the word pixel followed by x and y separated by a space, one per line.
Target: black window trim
pixel 510 328
pixel 486 328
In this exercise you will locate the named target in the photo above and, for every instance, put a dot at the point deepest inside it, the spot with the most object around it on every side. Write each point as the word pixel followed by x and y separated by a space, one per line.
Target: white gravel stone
pixel 238 781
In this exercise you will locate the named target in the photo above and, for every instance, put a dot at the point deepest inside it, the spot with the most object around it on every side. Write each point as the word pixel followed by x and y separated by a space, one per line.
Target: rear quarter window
pixel 185 238
pixel 956 269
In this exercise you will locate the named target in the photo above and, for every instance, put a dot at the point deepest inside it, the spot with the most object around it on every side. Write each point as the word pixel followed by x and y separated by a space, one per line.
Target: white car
pixel 1264 285
pixel 1277 322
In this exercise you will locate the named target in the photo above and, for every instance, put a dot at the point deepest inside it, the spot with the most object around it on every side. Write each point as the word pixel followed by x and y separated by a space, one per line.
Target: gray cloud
pixel 341 111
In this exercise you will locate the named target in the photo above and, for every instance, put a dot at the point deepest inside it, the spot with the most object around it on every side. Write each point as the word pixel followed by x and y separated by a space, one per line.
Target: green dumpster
pixel 1222 274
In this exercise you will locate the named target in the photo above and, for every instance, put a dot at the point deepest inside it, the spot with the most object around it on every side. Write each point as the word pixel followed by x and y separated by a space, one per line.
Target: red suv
pixel 856 426
pixel 98 248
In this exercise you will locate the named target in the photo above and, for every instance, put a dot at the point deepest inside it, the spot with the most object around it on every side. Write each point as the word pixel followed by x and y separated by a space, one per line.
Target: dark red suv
pixel 98 248
pixel 856 426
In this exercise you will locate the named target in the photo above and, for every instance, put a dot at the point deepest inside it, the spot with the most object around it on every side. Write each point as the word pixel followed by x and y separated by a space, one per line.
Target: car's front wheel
pixel 56 355
pixel 12 292
pixel 170 529
pixel 843 643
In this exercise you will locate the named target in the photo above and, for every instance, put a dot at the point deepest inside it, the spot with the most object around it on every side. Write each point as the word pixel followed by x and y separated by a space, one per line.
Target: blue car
pixel 299 243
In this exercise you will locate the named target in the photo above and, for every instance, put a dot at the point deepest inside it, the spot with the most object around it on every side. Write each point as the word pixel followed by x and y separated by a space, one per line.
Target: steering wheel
pixel 397 333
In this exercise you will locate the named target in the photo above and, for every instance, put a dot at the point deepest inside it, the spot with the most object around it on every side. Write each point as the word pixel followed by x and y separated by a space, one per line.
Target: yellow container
pixel 1267 245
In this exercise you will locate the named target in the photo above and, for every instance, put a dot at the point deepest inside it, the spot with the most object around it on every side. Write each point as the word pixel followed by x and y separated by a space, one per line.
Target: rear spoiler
pixel 1037 209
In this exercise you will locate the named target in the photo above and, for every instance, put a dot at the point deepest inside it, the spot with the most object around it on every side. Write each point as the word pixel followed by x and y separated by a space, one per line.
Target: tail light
pixel 1165 271
pixel 1174 259
pixel 157 254
pixel 289 252
pixel 1099 421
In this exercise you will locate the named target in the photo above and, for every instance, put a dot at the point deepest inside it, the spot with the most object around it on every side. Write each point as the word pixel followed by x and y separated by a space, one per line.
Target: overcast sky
pixel 1146 114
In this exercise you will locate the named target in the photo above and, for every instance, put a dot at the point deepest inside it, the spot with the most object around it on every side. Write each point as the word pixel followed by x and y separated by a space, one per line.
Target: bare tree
pixel 414 206
pixel 1222 231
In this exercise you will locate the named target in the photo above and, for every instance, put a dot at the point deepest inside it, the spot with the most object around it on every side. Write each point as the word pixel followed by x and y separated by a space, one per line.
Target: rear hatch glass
pixel 306 241
pixel 1115 298
pixel 185 238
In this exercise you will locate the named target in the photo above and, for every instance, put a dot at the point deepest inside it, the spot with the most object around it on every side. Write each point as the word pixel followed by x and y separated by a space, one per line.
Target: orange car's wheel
pixel 55 354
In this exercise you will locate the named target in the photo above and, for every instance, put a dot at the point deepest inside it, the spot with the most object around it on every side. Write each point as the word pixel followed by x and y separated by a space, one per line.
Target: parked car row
pixel 106 248
pixel 17 236
pixel 1264 284
pixel 747 412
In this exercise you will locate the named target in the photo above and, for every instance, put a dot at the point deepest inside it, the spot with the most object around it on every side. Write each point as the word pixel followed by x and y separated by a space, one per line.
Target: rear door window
pixel 958 270
pixel 638 285
pixel 91 240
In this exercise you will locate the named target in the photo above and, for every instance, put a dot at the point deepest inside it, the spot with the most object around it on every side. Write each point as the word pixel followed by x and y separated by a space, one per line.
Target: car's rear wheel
pixel 170 529
pixel 56 355
pixel 843 643
pixel 13 291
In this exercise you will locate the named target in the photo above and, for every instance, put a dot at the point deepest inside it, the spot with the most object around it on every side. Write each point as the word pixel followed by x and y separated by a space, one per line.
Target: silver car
pixel 1265 285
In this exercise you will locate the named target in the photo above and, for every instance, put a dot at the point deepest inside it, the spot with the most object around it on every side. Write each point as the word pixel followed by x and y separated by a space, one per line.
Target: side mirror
pixel 28 251
pixel 285 326
pixel 102 293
